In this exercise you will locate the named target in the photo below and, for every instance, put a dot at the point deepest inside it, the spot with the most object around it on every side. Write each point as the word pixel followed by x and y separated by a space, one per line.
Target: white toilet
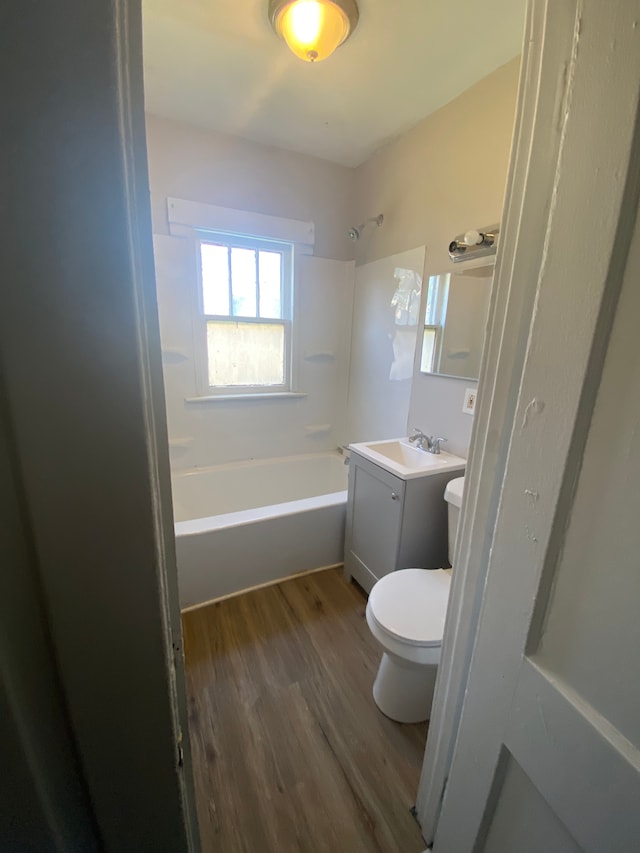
pixel 406 612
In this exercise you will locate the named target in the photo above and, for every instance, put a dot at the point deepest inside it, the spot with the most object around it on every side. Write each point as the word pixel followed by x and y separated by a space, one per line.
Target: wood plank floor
pixel 290 752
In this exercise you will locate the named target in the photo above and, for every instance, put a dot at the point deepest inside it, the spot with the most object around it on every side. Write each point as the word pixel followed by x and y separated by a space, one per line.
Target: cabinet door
pixel 376 519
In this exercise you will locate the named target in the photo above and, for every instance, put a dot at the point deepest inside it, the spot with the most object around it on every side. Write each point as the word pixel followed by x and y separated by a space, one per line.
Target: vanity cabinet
pixel 393 523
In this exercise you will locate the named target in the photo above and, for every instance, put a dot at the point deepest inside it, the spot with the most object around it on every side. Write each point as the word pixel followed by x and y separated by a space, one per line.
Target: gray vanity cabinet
pixel 393 523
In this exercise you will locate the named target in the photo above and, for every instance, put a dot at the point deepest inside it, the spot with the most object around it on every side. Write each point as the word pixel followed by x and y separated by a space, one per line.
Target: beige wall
pixel 442 177
pixel 186 162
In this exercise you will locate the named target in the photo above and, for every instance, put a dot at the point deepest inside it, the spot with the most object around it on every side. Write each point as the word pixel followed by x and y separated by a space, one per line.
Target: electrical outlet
pixel 469 405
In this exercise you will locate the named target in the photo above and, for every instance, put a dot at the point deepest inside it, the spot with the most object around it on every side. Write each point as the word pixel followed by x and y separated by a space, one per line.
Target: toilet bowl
pixel 406 613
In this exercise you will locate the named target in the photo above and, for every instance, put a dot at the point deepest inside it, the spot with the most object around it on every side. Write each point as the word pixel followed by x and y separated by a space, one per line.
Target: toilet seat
pixel 410 605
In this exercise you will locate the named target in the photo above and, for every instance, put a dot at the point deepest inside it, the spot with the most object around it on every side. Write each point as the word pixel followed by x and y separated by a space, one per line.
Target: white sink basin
pixel 406 461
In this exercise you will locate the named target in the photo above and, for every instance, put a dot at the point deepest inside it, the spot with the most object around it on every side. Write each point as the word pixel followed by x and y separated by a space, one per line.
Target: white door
pixel 547 754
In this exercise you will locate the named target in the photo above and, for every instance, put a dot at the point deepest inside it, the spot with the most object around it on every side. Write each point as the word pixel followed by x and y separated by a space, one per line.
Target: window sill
pixel 226 398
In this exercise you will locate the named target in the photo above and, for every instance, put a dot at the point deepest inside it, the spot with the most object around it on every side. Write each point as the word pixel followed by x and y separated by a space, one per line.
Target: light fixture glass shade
pixel 313 29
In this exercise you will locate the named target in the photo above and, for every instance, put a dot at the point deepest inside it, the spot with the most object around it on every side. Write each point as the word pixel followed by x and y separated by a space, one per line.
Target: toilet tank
pixel 453 496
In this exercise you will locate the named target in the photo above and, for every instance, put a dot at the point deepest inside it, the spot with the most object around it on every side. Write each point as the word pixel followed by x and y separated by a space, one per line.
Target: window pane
pixel 432 300
pixel 215 278
pixel 243 281
pixel 270 285
pixel 245 353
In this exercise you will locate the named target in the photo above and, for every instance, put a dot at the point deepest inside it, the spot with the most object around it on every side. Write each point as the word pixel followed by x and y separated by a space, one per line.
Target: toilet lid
pixel 411 604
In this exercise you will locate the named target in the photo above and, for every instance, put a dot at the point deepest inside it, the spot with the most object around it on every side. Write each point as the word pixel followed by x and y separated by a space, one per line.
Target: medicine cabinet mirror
pixel 455 318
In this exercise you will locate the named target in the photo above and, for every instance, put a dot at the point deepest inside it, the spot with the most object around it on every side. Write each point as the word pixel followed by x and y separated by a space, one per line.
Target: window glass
pixel 214 261
pixel 246 303
pixel 243 282
pixel 245 353
pixel 270 271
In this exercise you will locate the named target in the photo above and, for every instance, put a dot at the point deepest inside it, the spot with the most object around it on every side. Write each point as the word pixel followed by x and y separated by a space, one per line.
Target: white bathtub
pixel 250 523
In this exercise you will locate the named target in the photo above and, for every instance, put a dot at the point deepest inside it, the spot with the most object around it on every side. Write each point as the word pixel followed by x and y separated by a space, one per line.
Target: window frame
pixel 245 241
pixel 435 315
pixel 436 330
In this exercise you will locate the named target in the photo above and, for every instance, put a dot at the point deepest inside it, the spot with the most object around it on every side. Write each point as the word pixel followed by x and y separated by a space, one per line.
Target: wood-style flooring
pixel 290 752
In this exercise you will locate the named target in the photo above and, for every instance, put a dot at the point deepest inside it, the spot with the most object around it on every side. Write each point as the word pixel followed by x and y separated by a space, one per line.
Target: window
pixel 435 314
pixel 245 306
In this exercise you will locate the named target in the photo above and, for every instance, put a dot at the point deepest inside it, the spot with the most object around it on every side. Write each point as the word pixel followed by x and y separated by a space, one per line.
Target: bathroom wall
pixel 213 168
pixel 382 351
pixel 208 167
pixel 440 178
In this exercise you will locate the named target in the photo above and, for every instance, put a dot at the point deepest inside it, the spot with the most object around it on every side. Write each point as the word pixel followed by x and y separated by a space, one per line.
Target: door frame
pixel 547 85
pixel 510 307
pixel 83 401
pixel 590 239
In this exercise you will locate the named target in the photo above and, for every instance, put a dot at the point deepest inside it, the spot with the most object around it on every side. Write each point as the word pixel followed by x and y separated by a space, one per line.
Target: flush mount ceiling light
pixel 313 29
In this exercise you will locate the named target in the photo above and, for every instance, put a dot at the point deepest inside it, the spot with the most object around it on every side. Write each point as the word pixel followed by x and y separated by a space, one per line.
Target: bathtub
pixel 247 524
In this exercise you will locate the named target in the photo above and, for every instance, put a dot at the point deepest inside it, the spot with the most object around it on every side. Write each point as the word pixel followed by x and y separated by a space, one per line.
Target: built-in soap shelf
pixel 317 429
pixel 177 446
pixel 320 356
pixel 458 353
pixel 173 355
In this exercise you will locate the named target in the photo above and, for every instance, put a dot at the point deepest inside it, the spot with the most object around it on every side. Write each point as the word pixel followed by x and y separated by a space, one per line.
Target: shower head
pixel 356 233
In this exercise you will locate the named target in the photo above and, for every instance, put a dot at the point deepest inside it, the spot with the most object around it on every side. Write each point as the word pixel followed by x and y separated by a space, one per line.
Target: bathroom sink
pixel 404 454
pixel 402 459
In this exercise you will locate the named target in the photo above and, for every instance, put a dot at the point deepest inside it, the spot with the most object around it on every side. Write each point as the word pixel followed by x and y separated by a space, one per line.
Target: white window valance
pixel 185 216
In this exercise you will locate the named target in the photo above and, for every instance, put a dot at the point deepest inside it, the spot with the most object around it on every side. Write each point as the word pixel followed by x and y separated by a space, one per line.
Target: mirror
pixel 455 318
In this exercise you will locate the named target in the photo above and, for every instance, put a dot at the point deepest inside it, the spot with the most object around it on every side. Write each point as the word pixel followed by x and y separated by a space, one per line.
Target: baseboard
pixel 273 582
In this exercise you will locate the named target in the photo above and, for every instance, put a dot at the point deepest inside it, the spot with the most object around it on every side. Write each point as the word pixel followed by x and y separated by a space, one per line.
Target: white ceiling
pixel 218 64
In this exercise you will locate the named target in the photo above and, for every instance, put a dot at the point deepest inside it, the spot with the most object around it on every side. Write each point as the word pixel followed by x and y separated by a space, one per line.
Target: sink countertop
pixel 401 458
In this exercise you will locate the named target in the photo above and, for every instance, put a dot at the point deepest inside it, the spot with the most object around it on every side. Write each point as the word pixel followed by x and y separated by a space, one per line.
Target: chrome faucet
pixel 428 443
pixel 433 443
pixel 419 439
